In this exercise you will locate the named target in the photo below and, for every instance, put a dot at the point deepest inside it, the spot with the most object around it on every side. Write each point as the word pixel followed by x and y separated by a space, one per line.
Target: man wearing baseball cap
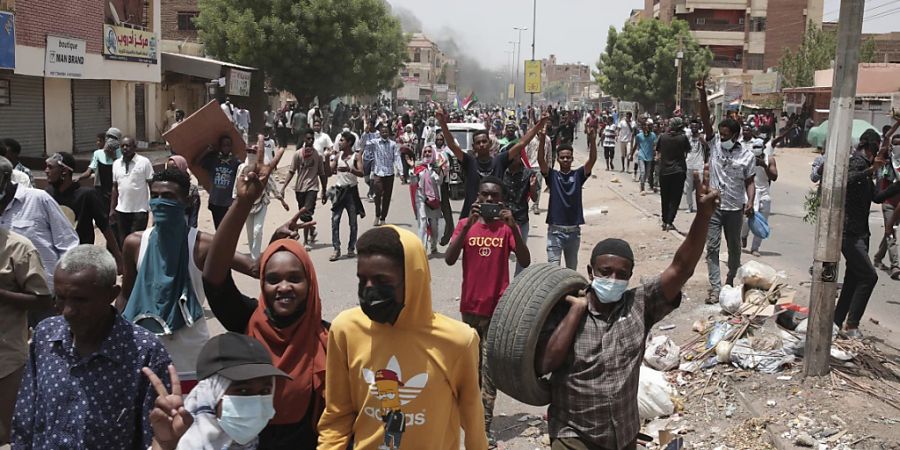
pixel 230 405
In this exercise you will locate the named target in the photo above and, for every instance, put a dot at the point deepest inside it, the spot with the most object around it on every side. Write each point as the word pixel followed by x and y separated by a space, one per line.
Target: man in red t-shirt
pixel 485 244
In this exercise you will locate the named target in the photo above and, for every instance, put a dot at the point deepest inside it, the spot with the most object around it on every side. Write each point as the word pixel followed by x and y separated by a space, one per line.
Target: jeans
pixel 646 173
pixel 384 188
pixel 563 239
pixel 888 246
pixel 347 204
pixel 860 278
pixel 523 228
pixel 765 208
pixel 254 227
pixel 609 153
pixel 218 213
pixel 488 391
pixel 690 188
pixel 670 187
pixel 730 222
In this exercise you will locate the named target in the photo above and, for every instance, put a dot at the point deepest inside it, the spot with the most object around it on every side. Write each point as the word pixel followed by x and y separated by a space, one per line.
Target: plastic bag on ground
pixel 720 331
pixel 662 353
pixel 744 356
pixel 654 394
pixel 795 341
pixel 730 298
pixel 756 275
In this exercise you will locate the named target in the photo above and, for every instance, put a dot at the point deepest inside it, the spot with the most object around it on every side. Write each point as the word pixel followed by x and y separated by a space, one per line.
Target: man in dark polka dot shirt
pixel 82 387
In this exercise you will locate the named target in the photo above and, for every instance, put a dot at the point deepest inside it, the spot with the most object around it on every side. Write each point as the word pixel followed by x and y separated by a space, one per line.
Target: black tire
pixel 531 298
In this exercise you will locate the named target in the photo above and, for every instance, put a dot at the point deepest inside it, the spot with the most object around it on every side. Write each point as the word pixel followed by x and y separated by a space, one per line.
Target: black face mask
pixel 378 303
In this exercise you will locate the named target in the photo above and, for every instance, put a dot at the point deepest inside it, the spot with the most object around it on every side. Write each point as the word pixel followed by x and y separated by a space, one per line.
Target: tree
pixel 555 92
pixel 311 48
pixel 639 62
pixel 816 52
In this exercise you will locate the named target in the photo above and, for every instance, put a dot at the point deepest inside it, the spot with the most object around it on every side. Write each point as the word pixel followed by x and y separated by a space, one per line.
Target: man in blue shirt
pixel 82 386
pixel 565 213
pixel 644 142
pixel 385 155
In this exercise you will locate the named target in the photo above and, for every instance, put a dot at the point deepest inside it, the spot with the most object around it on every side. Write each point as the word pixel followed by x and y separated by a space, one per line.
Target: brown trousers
pixel 9 388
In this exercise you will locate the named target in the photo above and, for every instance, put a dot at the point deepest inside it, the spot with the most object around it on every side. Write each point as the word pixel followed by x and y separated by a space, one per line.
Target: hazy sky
pixel 574 30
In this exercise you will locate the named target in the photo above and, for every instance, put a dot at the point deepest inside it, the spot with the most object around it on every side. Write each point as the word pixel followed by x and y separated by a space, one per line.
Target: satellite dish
pixel 115 14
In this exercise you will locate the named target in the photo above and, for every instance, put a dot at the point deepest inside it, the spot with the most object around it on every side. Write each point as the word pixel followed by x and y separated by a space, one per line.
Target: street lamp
pixel 519 54
pixel 533 30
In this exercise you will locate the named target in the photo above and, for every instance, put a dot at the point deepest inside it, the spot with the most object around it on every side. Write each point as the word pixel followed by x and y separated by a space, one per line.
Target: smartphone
pixel 490 210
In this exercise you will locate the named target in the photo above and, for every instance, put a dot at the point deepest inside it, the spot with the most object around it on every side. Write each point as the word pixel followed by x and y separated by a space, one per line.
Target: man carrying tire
pixel 485 241
pixel 594 352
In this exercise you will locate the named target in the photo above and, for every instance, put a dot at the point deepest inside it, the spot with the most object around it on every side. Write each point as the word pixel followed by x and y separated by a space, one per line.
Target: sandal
pixel 895 273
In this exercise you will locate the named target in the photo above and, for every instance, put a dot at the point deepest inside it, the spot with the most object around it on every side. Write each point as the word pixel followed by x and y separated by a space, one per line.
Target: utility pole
pixel 679 61
pixel 533 31
pixel 829 229
pixel 519 55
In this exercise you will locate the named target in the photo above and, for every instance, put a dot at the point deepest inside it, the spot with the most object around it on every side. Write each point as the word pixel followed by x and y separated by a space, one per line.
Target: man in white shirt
pixel 321 141
pixel 228 109
pixel 130 200
pixel 531 151
pixel 624 136
pixel 242 121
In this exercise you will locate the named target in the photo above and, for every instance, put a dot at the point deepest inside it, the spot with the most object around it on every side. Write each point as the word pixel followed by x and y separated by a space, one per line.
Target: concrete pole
pixel 834 185
pixel 533 31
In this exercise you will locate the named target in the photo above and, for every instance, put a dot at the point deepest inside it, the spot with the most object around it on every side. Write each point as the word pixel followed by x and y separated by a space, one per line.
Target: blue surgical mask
pixel 727 145
pixel 609 290
pixel 245 416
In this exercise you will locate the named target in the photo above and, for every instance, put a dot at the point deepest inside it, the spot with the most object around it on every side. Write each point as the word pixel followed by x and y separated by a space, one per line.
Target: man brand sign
pixel 65 57
pixel 129 44
pixel 238 82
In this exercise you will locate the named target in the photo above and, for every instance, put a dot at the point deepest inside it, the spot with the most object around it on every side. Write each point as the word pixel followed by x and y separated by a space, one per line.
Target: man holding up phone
pixel 486 239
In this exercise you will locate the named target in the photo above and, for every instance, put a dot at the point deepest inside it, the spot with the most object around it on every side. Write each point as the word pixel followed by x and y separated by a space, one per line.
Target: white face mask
pixel 727 145
pixel 609 290
pixel 244 416
pixel 895 156
pixel 757 151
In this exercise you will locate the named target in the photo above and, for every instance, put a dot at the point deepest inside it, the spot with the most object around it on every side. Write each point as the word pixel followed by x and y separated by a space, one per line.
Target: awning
pixel 197 66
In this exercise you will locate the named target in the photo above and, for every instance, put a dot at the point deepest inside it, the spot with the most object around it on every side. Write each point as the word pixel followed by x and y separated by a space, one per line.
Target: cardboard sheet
pixel 202 129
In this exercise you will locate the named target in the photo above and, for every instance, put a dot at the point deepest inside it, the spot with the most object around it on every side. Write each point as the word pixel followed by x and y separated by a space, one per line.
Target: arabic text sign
pixel 533 77
pixel 65 57
pixel 128 44
pixel 238 82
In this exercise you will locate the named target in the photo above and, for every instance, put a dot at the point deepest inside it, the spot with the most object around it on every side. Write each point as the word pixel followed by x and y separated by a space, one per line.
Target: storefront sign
pixel 129 44
pixel 7 41
pixel 65 57
pixel 533 77
pixel 765 83
pixel 238 82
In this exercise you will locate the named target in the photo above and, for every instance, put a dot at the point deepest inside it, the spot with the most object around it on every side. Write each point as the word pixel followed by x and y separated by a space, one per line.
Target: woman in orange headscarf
pixel 286 319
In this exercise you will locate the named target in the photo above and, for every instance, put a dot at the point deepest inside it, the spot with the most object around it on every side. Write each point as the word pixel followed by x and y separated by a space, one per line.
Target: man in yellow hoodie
pixel 395 347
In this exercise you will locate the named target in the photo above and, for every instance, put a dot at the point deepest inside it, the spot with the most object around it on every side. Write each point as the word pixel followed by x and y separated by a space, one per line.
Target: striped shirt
pixel 34 214
pixel 387 156
pixel 594 393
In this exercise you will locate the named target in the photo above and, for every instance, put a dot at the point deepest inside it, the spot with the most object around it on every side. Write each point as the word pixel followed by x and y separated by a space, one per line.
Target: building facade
pixel 428 72
pixel 77 70
pixel 575 78
pixel 745 36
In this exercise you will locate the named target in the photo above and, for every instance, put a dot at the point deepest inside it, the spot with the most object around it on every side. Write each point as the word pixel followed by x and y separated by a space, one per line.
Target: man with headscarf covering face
pixel 192 212
pixel 162 285
pixel 229 406
pixel 286 318
pixel 397 371
pixel 593 385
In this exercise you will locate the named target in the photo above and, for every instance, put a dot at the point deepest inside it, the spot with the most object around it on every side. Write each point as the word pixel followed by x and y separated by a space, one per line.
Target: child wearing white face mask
pixel 230 405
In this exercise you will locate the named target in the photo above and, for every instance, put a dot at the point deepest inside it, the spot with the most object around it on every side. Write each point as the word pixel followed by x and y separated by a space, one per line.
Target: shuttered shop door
pixel 90 103
pixel 23 118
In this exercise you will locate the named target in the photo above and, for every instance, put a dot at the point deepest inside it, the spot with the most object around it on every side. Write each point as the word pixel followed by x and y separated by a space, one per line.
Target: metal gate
pixel 90 112
pixel 23 118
